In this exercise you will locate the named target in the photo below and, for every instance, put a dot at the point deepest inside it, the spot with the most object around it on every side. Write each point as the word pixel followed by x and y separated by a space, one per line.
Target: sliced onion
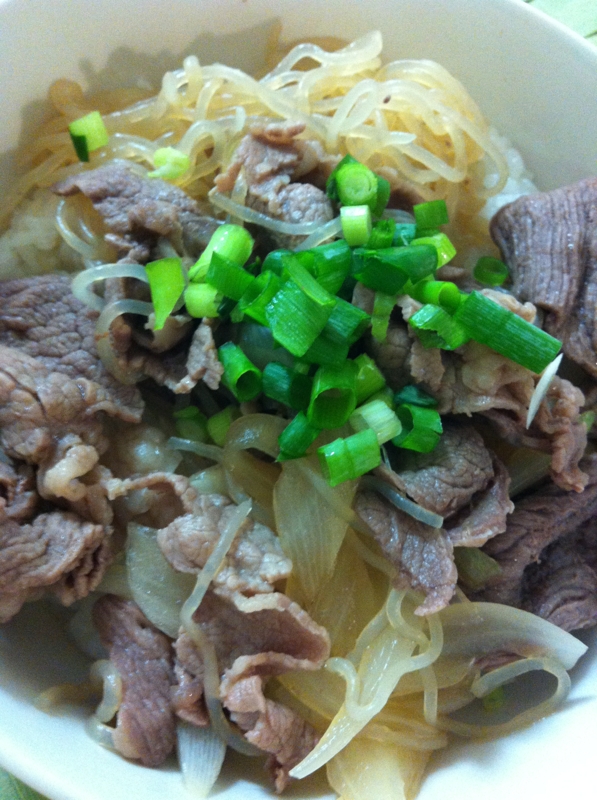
pixel 403 503
pixel 210 481
pixel 210 451
pixel 542 387
pixel 200 755
pixel 105 673
pixel 83 281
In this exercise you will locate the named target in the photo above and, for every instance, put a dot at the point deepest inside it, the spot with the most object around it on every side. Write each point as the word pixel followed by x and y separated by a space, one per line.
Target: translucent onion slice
pixel 542 387
pixel 209 481
pixel 82 283
pixel 210 451
pixel 403 503
pixel 158 589
pixel 107 676
pixel 200 755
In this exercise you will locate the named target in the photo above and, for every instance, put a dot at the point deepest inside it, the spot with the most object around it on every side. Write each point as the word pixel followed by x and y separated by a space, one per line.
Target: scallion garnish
pixel 506 333
pixel 356 224
pixel 166 284
pixel 333 397
pixel 388 270
pixel 191 424
pixel 169 164
pixel 382 235
pixel 436 328
pixel 490 271
pixel 475 568
pixel 218 424
pixel 378 416
pixel 274 261
pixel 326 351
pixel 347 323
pixel 369 378
pixel 404 233
pixel 287 386
pixel 296 438
pixel 443 246
pixel 383 305
pixel 444 294
pixel 202 300
pixel 383 196
pixel 258 294
pixel 421 428
pixel 227 277
pixel 431 214
pixel 295 318
pixel 88 133
pixel 241 376
pixel 349 458
pixel 231 242
pixel 356 185
pixel 329 263
pixel 413 395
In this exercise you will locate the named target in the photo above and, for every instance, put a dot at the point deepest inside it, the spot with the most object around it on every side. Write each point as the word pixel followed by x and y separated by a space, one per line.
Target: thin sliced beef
pixel 137 210
pixel 421 555
pixel 254 563
pixel 18 498
pixel 391 355
pixel 156 499
pixel 254 638
pixel 41 317
pixel 271 157
pixel 145 723
pixel 57 551
pixel 548 515
pixel 549 241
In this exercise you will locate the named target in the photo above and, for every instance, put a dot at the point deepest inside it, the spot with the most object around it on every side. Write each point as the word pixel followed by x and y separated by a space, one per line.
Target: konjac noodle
pixel 288 439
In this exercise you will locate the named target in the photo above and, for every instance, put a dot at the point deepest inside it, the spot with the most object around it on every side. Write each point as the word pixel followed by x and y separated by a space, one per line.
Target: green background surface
pixel 581 16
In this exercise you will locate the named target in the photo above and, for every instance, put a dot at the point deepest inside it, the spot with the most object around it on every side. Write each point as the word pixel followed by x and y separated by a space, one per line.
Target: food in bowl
pixel 363 540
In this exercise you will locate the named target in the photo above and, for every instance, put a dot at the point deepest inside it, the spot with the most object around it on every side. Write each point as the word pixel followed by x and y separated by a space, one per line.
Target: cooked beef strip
pixel 41 317
pixel 137 210
pixel 549 241
pixel 271 157
pixel 254 563
pixel 18 498
pixel 421 555
pixel 145 723
pixel 538 520
pixel 254 638
pixel 58 551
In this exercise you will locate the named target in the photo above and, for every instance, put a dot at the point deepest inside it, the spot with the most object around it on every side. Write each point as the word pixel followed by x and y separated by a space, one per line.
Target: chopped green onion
pixel 287 386
pixel 414 396
pixel 444 294
pixel 241 376
pixel 421 428
pixel 385 395
pixel 218 424
pixel 295 319
pixel 331 186
pixel 490 271
pixel 383 305
pixel 231 242
pixel 202 300
pixel 506 333
pixel 329 263
pixel 356 185
pixel 369 378
pixel 88 133
pixel 326 351
pixel 170 164
pixel 333 397
pixel 307 283
pixel 431 214
pixel 228 278
pixel 475 568
pixel 166 283
pixel 404 234
pixel 258 294
pixel 346 323
pixel 274 261
pixel 588 419
pixel 382 235
pixel 436 328
pixel 383 196
pixel 379 417
pixel 349 458
pixel 443 246
pixel 296 438
pixel 388 270
pixel 495 700
pixel 356 224
pixel 191 424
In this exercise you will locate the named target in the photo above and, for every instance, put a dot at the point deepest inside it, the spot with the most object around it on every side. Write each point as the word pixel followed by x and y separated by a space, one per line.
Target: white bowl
pixel 535 80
